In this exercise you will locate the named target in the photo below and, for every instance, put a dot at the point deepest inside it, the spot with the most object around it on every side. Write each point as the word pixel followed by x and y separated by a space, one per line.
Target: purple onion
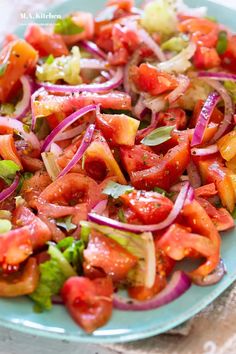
pixel 92 48
pixel 23 106
pixel 213 277
pixel 209 150
pixel 217 76
pixel 183 84
pixel 177 286
pixel 7 192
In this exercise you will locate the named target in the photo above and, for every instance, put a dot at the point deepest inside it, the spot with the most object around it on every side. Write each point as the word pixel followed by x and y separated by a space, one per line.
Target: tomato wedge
pixel 88 301
pixel 8 150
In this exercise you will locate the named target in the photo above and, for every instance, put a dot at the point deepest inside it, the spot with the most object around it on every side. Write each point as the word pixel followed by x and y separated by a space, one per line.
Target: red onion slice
pixel 209 150
pixel 93 64
pixel 92 48
pixel 81 150
pixel 204 118
pixel 23 106
pixel 150 43
pixel 7 192
pixel 179 203
pixel 69 134
pixel 180 90
pixel 64 124
pixel 193 175
pixel 176 287
pixel 19 127
pixel 217 76
pixel 109 85
pixel 100 207
pixel 229 108
pixel 56 149
pixel 214 277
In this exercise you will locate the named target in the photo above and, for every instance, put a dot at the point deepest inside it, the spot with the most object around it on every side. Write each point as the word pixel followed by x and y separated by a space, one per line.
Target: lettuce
pixel 175 44
pixel 140 245
pixel 65 68
pixel 8 170
pixel 159 16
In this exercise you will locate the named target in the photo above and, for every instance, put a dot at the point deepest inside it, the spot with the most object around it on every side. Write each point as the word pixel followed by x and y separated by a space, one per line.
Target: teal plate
pixel 124 326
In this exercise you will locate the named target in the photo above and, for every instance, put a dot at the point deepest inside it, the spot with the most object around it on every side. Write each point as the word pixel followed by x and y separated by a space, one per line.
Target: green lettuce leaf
pixel 67 26
pixel 8 170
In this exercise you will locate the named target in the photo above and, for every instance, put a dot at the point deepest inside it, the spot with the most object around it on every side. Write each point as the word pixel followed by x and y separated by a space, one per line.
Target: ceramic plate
pixel 124 326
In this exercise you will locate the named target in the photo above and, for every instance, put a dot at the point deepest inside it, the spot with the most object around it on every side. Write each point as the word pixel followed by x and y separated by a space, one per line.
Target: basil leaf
pixel 66 223
pixel 3 68
pixel 66 26
pixel 8 170
pixel 222 42
pixel 115 190
pixel 158 136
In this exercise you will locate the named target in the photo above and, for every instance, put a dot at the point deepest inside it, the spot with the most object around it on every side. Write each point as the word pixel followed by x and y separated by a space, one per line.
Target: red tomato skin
pixel 89 302
pixel 206 58
pixel 141 293
pixel 173 117
pixel 105 253
pixel 229 57
pixel 150 207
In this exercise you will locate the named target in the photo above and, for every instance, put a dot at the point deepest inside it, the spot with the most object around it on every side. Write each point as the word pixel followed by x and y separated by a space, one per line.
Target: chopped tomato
pixel 173 117
pixel 203 31
pixel 122 4
pixel 119 129
pixel 23 282
pixel 88 301
pixel 150 207
pixel 8 150
pixel 216 116
pixel 147 78
pixel 143 293
pixel 167 172
pixel 138 158
pixel 47 104
pixel 86 22
pixel 229 57
pixel 221 218
pixel 206 58
pixel 206 191
pixel 104 36
pixel 18 57
pixel 31 164
pixel 105 253
pixel 44 42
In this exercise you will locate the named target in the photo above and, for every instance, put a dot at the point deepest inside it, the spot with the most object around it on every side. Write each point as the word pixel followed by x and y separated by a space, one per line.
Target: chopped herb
pixel 50 59
pixel 66 26
pixel 121 215
pixel 163 192
pixel 115 190
pixel 66 223
pixel 158 136
pixel 222 42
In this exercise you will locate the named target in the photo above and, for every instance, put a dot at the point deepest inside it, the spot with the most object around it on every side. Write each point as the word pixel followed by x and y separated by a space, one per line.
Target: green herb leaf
pixel 84 233
pixel 3 68
pixel 121 215
pixel 163 192
pixel 66 26
pixel 158 136
pixel 8 170
pixel 115 190
pixel 66 223
pixel 222 42
pixel 50 59
pixel 73 252
pixel 5 226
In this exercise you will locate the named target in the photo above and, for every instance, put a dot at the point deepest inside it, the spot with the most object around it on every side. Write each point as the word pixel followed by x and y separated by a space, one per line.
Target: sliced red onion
pixel 139 109
pixel 7 192
pixel 204 118
pixel 219 76
pixel 179 203
pixel 190 196
pixel 20 128
pixel 229 108
pixel 214 277
pixel 209 150
pixel 55 149
pixel 23 106
pixel 100 207
pixel 69 134
pixel 180 90
pixel 143 132
pixel 193 175
pixel 109 85
pixel 93 64
pixel 81 150
pixel 150 43
pixel 176 287
pixel 64 124
pixel 92 48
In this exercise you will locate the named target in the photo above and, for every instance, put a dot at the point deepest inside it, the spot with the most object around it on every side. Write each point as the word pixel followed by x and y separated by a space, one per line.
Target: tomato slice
pixel 21 283
pixel 229 57
pixel 147 78
pixel 106 254
pixel 8 150
pixel 167 172
pixel 143 293
pixel 33 186
pixel 21 58
pixel 173 117
pixel 45 43
pixel 150 207
pixel 206 191
pixel 206 58
pixel 88 301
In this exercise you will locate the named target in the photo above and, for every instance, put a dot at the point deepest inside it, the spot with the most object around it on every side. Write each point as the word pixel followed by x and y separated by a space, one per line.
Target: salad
pixel 118 158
